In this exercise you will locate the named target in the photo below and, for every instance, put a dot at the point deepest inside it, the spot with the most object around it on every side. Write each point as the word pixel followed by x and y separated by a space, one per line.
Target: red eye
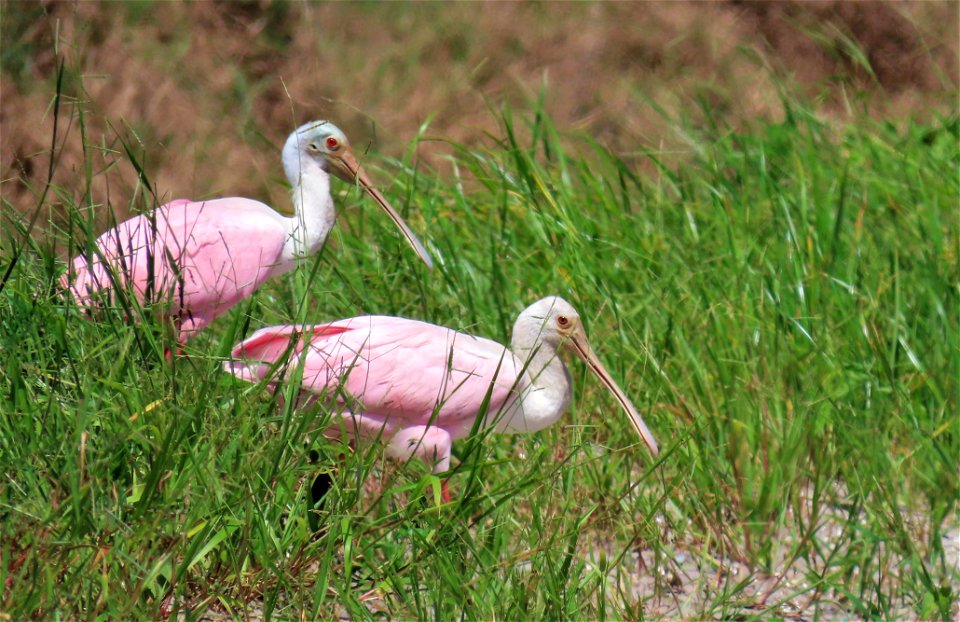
pixel 563 321
pixel 332 143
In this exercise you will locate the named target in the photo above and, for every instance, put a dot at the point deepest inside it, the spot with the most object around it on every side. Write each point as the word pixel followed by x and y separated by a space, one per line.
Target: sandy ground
pixel 686 580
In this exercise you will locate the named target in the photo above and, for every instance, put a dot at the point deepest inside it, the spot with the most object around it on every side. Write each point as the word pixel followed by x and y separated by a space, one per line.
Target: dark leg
pixel 322 483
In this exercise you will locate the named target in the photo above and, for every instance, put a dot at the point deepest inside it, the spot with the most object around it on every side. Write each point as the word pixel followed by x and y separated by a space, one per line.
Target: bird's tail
pixel 253 358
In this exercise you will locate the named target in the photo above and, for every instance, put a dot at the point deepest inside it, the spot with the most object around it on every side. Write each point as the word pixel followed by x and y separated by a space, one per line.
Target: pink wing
pixel 202 257
pixel 402 372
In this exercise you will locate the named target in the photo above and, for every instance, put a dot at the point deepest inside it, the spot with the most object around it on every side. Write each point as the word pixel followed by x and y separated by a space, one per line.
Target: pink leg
pixel 168 353
pixel 186 328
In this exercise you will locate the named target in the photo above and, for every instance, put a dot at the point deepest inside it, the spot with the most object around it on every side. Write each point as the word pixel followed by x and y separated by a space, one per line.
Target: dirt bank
pixel 207 91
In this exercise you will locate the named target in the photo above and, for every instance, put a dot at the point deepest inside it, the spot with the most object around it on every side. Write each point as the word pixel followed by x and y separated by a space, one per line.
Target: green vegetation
pixel 782 306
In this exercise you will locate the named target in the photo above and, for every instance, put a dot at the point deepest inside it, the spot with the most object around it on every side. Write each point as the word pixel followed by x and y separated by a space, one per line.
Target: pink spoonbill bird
pixel 200 258
pixel 418 386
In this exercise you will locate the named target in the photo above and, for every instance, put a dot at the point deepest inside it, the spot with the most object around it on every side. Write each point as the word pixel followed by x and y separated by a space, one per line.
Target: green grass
pixel 781 304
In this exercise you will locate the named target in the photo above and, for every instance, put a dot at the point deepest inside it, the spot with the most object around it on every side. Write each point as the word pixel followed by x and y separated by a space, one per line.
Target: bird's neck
pixel 314 214
pixel 546 393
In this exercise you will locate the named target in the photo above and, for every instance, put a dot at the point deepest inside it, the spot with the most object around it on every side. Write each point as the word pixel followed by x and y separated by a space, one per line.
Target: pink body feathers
pixel 419 386
pixel 196 258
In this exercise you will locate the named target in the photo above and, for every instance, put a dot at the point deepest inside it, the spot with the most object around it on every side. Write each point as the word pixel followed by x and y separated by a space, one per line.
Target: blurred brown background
pixel 207 91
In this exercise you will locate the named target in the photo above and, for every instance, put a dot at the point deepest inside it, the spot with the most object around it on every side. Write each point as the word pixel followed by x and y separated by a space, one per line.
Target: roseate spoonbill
pixel 418 386
pixel 203 257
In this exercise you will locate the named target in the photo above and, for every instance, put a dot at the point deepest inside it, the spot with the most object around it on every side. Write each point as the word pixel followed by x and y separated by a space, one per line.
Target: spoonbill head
pixel 323 145
pixel 552 325
pixel 418 387
pixel 199 258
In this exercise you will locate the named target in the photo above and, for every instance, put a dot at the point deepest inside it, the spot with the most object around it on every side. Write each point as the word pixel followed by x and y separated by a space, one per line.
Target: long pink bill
pixel 582 347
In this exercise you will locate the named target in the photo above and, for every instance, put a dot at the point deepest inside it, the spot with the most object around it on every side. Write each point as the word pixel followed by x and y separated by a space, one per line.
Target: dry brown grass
pixel 210 89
